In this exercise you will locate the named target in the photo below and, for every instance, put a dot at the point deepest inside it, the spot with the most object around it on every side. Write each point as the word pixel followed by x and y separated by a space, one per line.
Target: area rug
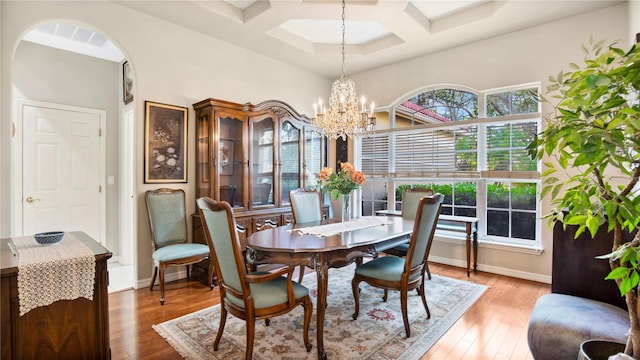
pixel 378 333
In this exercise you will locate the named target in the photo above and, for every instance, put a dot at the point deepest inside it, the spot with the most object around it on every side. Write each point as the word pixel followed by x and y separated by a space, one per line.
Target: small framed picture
pixel 127 83
pixel 225 156
pixel 165 149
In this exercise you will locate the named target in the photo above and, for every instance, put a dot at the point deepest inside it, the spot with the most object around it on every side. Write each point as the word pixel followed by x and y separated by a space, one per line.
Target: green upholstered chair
pixel 306 206
pixel 168 223
pixel 410 199
pixel 403 273
pixel 248 296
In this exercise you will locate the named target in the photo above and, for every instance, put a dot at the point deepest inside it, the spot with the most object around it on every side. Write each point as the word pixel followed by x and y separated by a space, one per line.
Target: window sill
pixel 455 238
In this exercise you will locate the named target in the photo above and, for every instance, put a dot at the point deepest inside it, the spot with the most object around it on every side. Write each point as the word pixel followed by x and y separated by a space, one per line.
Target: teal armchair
pixel 306 205
pixel 168 223
pixel 410 200
pixel 403 273
pixel 248 296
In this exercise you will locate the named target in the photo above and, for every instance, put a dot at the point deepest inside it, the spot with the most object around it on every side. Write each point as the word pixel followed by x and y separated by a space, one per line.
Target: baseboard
pixel 168 277
pixel 494 269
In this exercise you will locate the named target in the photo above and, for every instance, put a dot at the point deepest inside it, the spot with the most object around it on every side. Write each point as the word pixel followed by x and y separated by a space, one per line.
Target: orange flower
pixel 358 177
pixel 347 167
pixel 324 174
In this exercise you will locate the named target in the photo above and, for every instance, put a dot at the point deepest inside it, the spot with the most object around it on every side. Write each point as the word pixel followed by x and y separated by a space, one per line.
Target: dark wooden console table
pixel 66 329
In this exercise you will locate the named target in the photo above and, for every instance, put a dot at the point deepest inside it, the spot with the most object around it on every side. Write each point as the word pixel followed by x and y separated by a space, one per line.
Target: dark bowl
pixel 50 237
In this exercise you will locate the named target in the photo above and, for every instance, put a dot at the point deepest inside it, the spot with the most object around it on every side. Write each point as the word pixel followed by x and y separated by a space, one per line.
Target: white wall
pixel 634 20
pixel 46 74
pixel 522 57
pixel 171 64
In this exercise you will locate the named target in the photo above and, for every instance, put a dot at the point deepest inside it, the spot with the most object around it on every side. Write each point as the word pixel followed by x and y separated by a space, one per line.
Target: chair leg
pixel 251 334
pixel 424 300
pixel 210 274
pixel 355 283
pixel 161 284
pixel 426 265
pixel 404 295
pixel 188 272
pixel 308 310
pixel 385 296
pixel 153 278
pixel 223 321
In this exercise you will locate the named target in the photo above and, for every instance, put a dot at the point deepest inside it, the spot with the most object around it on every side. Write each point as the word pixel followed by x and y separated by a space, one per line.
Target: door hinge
pixel 100 188
pixel 99 132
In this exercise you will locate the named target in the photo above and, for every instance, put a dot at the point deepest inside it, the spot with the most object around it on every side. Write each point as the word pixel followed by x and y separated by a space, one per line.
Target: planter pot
pixel 600 350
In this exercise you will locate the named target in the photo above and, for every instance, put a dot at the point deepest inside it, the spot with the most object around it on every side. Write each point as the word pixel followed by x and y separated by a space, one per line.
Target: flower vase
pixel 346 210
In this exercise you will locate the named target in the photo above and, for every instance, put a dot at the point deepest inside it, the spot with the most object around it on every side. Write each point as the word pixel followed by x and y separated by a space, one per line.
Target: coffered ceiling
pixel 307 33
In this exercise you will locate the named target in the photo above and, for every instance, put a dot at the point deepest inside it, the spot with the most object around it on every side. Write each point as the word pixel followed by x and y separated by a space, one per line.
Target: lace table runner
pixel 336 228
pixel 49 273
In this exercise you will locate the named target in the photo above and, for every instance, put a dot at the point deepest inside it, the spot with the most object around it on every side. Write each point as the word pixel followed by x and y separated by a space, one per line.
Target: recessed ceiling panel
pixel 240 4
pixel 330 31
pixel 435 9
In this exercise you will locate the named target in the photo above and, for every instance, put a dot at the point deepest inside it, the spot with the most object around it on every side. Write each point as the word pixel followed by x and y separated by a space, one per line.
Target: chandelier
pixel 346 116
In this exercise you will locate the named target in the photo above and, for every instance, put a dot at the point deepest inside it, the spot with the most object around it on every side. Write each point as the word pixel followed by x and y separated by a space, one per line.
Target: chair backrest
pixel 306 205
pixel 222 237
pixel 423 229
pixel 410 199
pixel 167 216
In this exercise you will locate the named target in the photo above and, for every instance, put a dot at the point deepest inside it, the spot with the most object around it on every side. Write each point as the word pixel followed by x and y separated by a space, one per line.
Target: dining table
pixel 326 244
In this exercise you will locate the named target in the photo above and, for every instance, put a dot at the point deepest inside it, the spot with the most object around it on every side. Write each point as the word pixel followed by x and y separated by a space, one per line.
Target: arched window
pixel 468 145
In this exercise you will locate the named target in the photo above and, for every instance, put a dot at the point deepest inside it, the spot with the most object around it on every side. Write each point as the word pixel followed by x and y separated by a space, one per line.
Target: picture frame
pixel 225 157
pixel 165 145
pixel 127 83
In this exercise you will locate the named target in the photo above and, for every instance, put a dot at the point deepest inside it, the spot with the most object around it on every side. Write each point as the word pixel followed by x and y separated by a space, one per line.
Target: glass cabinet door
pixel 203 160
pixel 262 160
pixel 230 160
pixel 290 159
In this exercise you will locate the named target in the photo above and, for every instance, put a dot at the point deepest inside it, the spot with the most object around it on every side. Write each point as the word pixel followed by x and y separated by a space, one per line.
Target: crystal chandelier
pixel 345 115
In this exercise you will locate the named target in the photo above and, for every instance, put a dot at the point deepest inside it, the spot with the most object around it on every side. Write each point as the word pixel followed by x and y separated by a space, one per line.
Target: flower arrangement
pixel 343 182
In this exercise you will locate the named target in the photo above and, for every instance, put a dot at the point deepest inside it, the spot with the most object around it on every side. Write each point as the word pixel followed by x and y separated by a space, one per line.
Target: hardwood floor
pixel 494 328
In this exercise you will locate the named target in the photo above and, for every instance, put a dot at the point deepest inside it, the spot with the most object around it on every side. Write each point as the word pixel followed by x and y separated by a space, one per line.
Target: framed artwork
pixel 225 156
pixel 165 146
pixel 127 83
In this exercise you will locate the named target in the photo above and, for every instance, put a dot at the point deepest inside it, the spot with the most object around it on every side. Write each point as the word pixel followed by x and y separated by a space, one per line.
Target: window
pixel 477 159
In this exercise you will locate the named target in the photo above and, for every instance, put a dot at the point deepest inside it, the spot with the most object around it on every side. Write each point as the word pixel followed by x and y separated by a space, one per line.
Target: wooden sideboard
pixel 66 329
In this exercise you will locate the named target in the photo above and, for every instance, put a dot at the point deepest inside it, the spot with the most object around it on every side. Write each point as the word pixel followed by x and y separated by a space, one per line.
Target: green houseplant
pixel 590 150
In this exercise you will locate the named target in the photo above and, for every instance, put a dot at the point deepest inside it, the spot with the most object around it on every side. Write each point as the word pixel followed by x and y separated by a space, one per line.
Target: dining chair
pixel 403 273
pixel 410 199
pixel 248 296
pixel 168 223
pixel 306 205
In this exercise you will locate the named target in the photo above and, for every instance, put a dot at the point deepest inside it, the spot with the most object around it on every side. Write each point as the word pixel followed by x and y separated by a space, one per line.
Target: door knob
pixel 31 199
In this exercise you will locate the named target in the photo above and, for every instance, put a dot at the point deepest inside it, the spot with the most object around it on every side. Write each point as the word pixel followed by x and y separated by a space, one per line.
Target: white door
pixel 61 171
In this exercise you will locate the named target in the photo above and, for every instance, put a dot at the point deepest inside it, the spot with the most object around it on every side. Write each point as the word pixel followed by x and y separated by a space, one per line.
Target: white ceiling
pixel 307 33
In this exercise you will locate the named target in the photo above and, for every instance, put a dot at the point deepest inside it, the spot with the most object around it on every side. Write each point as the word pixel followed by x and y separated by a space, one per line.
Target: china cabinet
pixel 251 156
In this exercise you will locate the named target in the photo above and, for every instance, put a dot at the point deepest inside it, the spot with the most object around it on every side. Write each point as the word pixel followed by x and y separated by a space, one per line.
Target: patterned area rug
pixel 378 333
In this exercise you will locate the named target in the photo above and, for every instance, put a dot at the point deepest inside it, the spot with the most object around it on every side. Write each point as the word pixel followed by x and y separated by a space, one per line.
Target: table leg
pixel 468 243
pixel 322 271
pixel 475 250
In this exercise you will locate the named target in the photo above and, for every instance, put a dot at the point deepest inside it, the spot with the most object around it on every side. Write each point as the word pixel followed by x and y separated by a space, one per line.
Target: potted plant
pixel 593 138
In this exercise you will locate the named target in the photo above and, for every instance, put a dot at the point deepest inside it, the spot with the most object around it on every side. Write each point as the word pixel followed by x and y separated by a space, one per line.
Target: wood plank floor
pixel 494 328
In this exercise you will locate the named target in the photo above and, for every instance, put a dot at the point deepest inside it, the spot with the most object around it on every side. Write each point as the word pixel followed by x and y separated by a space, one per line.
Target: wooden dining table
pixel 291 245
